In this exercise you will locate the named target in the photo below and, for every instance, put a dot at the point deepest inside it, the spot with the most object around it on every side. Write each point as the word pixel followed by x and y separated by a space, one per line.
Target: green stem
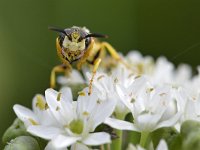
pixel 133 137
pixel 143 138
pixel 107 146
pixel 117 143
pixel 101 147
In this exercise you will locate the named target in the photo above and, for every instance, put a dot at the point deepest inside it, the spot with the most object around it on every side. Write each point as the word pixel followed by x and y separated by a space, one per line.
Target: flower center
pixel 76 126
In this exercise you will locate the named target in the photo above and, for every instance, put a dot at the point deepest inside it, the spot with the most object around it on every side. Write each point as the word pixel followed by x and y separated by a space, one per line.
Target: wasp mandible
pixel 77 44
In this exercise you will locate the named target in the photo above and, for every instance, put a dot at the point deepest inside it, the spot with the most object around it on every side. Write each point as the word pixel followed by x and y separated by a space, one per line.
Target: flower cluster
pixel 154 94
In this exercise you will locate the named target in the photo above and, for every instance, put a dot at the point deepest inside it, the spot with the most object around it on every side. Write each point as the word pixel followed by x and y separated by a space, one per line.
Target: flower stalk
pixel 117 144
pixel 143 138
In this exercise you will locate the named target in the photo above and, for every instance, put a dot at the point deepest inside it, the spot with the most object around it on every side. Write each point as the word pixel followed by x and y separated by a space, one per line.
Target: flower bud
pixel 23 143
pixel 15 130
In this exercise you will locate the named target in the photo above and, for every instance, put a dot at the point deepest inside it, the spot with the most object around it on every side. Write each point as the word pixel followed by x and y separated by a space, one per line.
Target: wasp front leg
pixel 114 54
pixel 96 66
pixel 58 69
pixel 86 55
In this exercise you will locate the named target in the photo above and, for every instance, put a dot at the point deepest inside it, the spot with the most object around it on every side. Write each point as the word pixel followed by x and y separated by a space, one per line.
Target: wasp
pixel 77 44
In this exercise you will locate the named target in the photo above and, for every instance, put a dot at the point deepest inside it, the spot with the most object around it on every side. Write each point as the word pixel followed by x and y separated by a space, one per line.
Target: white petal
pixel 120 124
pixel 121 92
pixel 50 146
pixel 103 111
pixel 51 98
pixel 98 138
pixel 24 113
pixel 162 145
pixel 35 100
pixel 44 115
pixel 169 122
pixel 148 122
pixel 132 147
pixel 44 132
pixel 62 141
pixel 79 146
pixel 98 110
pixel 66 94
pixel 74 77
pixel 61 109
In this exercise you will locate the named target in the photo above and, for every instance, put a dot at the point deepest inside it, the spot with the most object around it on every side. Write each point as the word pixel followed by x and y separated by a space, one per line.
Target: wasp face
pixel 74 42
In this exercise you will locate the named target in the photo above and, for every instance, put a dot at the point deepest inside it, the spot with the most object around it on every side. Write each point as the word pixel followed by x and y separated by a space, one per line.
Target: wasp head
pixel 74 40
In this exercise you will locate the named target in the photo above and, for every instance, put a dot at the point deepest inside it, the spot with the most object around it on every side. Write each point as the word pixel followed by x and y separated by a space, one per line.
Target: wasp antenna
pixel 56 29
pixel 96 35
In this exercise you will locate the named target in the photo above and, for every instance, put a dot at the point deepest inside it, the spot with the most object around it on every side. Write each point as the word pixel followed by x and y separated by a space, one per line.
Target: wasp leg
pixel 114 54
pixel 58 69
pixel 85 56
pixel 96 65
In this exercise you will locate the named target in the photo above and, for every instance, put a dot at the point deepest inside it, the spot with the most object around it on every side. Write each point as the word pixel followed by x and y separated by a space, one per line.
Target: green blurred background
pixel 27 48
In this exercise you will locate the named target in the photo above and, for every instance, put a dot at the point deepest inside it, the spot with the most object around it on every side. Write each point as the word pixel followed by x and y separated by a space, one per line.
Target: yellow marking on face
pixel 73 45
pixel 75 36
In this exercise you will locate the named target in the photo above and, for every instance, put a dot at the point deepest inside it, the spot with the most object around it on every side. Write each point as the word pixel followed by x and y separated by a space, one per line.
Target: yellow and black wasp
pixel 77 44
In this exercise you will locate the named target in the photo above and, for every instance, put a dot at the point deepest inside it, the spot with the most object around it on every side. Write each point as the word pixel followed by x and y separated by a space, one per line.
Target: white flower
pixel 106 85
pixel 140 64
pixel 161 146
pixel 74 120
pixel 39 115
pixel 152 108
pixel 191 105
pixel 74 77
pixel 133 147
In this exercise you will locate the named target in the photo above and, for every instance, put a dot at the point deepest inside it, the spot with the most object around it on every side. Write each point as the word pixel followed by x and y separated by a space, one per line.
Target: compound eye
pixel 87 41
pixel 69 37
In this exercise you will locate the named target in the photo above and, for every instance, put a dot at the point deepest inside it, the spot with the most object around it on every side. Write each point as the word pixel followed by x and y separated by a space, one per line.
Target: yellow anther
pixel 100 77
pixel 57 108
pixel 46 106
pixel 66 126
pixel 137 76
pixel 85 113
pixel 132 100
pixel 150 90
pixel 33 122
pixel 40 103
pixel 81 93
pixel 116 80
pixel 98 101
pixel 58 96
pixel 130 75
pixel 162 94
